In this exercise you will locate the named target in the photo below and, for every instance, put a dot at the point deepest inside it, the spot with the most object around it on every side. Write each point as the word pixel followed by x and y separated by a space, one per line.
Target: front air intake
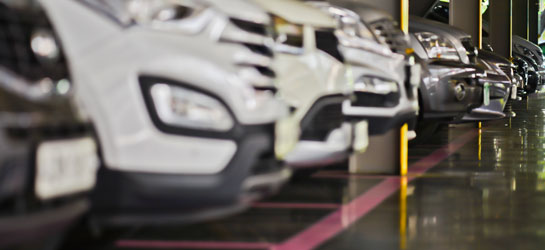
pixel 327 41
pixel 29 46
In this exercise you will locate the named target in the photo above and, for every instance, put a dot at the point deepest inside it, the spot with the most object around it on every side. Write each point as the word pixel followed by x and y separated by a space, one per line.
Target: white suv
pixel 182 95
pixel 312 80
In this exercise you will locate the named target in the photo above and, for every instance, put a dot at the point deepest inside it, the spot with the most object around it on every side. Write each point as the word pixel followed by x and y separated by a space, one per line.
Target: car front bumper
pixel 124 197
pixel 33 220
pixel 41 225
pixel 326 135
pixel 335 148
pixel 440 100
pixel 379 125
pixel 499 95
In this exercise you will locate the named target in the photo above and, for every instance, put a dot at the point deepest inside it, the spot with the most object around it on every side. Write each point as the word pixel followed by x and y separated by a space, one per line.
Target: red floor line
pixel 354 176
pixel 331 225
pixel 190 244
pixel 346 174
pixel 347 214
pixel 296 205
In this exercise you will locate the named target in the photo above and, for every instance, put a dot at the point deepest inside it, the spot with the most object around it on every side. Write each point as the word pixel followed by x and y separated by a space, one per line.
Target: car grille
pixel 267 162
pixel 327 41
pixel 375 100
pixel 16 55
pixel 324 116
pixel 391 34
pixel 507 69
pixel 49 132
pixel 251 27
pixel 260 49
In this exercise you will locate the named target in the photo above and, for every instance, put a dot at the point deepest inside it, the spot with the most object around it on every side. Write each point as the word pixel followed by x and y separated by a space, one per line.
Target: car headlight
pixel 288 36
pixel 148 12
pixel 437 47
pixel 375 85
pixel 182 107
pixel 349 21
pixel 353 27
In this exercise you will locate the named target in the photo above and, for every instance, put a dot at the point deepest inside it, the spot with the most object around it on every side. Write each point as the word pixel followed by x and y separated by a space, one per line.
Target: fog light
pixel 183 107
pixel 375 85
pixel 460 91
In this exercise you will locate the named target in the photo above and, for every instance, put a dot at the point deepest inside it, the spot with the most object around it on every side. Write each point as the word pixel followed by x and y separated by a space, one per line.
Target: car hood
pixel 493 57
pixel 452 34
pixel 519 42
pixel 242 9
pixel 297 12
pixel 367 12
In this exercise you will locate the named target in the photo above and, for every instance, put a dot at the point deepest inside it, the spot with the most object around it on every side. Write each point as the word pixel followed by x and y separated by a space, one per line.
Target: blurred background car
pixel 501 78
pixel 407 74
pixel 495 83
pixel 312 80
pixel 48 153
pixel 522 49
pixel 184 106
pixel 532 55
pixel 385 83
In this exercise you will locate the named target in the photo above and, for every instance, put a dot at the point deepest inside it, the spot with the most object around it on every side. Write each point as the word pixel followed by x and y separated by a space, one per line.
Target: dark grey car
pixel 489 73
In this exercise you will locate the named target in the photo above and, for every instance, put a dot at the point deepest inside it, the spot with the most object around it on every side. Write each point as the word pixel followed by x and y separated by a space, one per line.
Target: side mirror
pixel 473 54
pixel 488 47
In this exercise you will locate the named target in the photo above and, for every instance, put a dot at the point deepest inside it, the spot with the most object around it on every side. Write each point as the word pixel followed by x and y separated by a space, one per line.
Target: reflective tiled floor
pixel 467 188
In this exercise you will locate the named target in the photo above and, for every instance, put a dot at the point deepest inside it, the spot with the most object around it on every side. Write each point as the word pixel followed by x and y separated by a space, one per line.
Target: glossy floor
pixel 467 188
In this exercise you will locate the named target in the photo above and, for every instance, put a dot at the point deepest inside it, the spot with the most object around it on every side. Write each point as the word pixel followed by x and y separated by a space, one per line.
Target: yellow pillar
pixel 404 150
pixel 403 213
pixel 404 16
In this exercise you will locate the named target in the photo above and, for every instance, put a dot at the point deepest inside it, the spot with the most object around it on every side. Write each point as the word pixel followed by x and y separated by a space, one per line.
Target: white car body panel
pixel 367 57
pixel 113 97
pixel 371 64
pixel 297 12
pixel 306 77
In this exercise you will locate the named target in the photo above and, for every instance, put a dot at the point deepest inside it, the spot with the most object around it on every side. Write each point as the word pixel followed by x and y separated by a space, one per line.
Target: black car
pixel 48 154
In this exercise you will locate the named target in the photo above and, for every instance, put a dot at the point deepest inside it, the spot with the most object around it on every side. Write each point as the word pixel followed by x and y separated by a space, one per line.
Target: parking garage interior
pixel 272 124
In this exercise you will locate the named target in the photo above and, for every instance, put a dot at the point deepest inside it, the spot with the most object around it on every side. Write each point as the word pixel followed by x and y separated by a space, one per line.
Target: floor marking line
pixel 191 244
pixel 331 225
pixel 356 176
pixel 349 213
pixel 296 205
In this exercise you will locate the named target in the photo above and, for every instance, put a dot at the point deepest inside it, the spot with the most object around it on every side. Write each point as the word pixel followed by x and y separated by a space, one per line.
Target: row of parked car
pixel 177 111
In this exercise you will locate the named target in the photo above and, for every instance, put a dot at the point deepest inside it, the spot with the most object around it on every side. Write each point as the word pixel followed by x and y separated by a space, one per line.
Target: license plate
pixel 287 135
pixel 65 167
pixel 361 136
pixel 486 93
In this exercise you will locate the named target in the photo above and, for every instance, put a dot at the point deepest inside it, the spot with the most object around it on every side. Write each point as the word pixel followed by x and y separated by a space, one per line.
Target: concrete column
pixel 533 20
pixel 501 26
pixel 466 15
pixel 388 153
pixel 520 18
